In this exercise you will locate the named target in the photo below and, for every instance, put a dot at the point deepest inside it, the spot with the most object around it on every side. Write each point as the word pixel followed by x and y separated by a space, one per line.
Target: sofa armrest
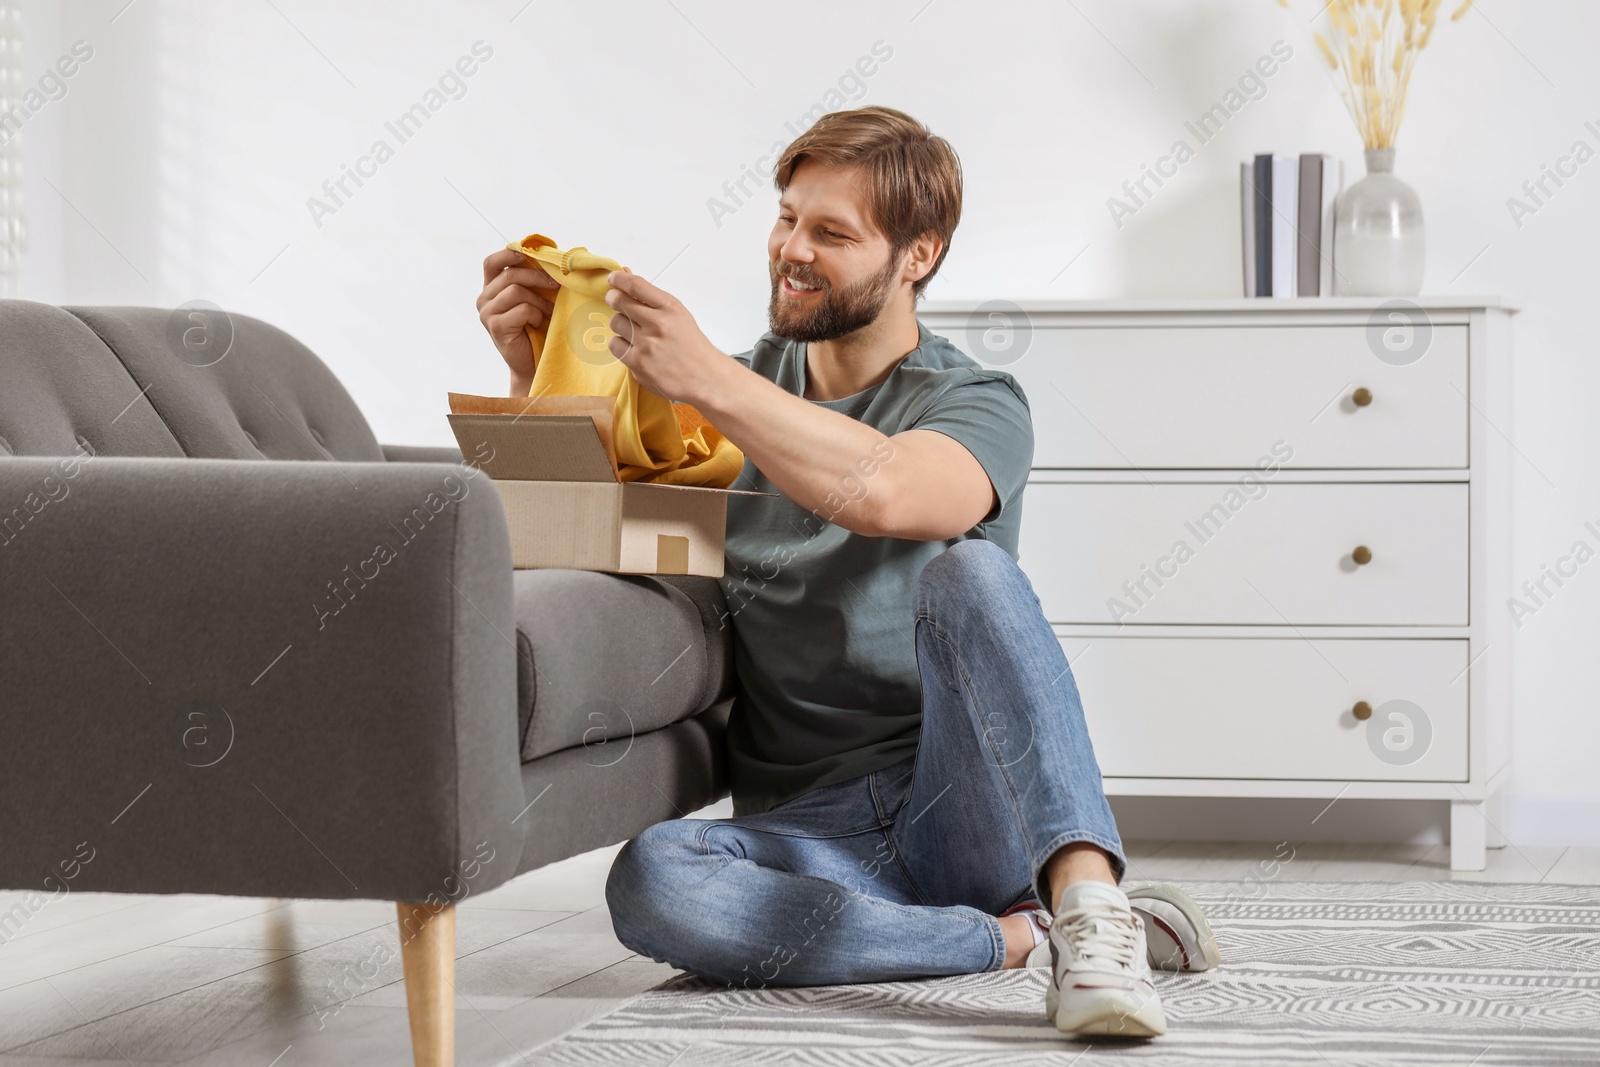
pixel 421 453
pixel 272 678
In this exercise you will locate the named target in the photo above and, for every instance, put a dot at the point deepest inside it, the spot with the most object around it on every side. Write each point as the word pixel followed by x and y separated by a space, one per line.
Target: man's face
pixel 832 272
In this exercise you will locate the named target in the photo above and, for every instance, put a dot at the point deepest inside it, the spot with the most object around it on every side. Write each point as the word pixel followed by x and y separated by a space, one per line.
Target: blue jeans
pixel 899 873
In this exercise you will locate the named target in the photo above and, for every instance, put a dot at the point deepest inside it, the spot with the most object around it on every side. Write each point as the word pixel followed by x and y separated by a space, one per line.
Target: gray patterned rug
pixel 1343 973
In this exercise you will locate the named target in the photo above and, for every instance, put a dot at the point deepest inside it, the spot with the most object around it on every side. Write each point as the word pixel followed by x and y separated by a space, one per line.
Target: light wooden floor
pixel 118 980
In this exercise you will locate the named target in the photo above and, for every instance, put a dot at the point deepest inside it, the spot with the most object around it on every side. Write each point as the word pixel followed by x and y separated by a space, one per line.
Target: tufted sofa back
pixel 132 381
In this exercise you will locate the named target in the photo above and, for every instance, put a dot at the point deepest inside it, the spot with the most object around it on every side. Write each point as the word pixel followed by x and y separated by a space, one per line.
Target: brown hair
pixel 913 177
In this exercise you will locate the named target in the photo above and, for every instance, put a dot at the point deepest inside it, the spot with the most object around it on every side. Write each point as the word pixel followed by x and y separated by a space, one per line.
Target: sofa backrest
pixel 60 385
pixel 161 382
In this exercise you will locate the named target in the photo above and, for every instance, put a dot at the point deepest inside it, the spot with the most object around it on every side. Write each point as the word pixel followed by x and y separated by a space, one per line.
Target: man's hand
pixel 513 299
pixel 919 484
pixel 659 341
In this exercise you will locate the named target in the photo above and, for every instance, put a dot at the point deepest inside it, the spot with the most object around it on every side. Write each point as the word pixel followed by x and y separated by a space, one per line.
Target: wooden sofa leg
pixel 428 952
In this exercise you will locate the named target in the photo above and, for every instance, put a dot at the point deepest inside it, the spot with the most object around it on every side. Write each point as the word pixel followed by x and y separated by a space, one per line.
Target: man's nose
pixel 795 250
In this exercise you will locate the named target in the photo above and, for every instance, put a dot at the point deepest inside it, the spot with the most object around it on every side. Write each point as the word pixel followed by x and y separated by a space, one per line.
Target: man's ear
pixel 921 256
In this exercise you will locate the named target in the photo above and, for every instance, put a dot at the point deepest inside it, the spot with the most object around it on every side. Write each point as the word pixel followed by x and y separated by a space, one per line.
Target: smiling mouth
pixel 790 289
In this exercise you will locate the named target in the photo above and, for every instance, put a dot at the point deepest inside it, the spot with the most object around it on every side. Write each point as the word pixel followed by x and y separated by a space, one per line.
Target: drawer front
pixel 1220 397
pixel 1137 553
pixel 1191 707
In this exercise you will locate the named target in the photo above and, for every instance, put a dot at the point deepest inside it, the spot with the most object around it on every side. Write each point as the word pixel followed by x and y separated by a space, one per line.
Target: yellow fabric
pixel 656 440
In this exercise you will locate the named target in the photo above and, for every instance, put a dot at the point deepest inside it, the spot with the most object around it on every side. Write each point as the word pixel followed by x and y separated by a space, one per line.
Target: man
pixel 912 775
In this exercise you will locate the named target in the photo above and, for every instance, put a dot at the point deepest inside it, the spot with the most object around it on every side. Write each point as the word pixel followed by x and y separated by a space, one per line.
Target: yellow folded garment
pixel 656 440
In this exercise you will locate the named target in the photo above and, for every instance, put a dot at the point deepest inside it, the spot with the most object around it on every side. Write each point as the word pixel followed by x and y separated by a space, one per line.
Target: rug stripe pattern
pixel 1343 973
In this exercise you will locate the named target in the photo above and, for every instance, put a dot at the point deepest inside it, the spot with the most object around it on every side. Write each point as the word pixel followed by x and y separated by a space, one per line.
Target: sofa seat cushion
pixel 602 658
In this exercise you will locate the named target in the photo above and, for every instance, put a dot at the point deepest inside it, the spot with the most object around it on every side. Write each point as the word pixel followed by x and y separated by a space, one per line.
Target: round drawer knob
pixel 1362 710
pixel 1362 554
pixel 1362 397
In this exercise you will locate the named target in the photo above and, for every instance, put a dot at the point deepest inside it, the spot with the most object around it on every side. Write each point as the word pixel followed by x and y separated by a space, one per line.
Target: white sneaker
pixel 1175 927
pixel 1100 981
pixel 1177 935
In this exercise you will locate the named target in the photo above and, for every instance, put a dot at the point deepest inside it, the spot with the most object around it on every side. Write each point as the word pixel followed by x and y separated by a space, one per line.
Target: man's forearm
pixel 826 462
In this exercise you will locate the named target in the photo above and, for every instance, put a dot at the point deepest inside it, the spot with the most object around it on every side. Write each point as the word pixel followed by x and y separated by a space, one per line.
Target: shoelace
pixel 1101 932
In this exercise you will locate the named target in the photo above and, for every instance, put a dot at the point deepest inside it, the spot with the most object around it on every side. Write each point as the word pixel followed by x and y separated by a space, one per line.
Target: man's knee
pixel 975 570
pixel 640 886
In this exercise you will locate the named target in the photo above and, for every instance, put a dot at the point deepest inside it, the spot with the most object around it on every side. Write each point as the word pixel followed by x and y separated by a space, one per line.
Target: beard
pixel 834 313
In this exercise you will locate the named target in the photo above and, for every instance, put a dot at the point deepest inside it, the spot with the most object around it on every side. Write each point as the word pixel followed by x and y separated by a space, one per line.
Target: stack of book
pixel 1286 215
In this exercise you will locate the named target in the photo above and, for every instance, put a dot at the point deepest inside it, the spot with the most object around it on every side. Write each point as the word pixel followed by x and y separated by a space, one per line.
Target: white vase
pixel 1378 239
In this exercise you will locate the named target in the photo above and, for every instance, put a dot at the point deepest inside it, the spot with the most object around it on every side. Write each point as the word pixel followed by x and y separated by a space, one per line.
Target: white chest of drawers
pixel 1272 536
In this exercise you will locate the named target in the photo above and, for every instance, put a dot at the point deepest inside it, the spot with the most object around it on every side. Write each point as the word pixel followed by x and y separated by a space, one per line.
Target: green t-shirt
pixel 823 619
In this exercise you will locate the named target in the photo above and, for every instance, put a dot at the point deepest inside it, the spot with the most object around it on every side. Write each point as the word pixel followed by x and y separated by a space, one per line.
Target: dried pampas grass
pixel 1372 45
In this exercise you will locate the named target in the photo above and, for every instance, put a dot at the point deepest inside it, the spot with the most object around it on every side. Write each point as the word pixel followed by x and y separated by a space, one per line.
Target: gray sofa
pixel 216 679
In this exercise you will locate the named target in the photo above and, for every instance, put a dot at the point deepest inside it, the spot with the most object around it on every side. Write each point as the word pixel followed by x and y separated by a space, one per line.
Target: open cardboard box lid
pixel 546 439
pixel 553 461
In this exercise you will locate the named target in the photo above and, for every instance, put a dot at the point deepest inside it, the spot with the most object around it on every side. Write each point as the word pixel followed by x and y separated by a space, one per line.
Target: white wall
pixel 185 152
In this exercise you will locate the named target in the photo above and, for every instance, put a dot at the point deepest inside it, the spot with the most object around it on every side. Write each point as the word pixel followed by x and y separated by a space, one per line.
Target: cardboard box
pixel 553 462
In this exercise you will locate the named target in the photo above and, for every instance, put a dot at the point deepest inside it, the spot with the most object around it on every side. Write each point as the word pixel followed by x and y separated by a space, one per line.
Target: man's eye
pixel 832 235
